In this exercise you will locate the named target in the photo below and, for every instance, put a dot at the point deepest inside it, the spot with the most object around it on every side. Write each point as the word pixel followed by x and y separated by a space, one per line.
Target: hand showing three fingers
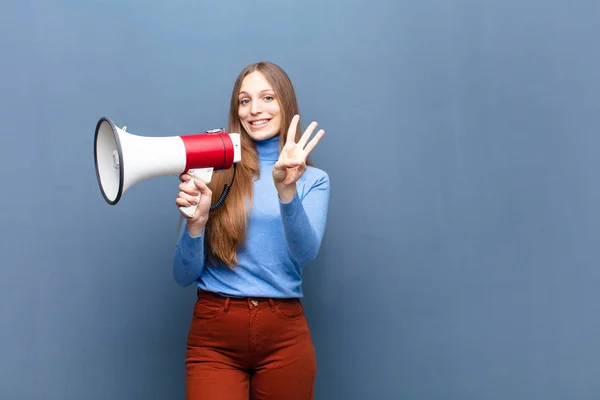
pixel 292 160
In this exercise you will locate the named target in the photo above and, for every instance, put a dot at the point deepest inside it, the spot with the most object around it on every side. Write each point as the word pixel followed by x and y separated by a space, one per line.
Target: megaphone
pixel 123 159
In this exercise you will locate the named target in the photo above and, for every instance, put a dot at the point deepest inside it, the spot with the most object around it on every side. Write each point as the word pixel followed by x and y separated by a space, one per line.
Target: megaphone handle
pixel 204 174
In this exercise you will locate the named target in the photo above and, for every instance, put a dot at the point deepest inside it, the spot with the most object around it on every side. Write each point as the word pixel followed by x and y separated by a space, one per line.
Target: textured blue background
pixel 461 259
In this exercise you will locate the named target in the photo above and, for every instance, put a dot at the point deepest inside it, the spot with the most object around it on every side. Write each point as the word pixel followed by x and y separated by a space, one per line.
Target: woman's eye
pixel 244 101
pixel 268 98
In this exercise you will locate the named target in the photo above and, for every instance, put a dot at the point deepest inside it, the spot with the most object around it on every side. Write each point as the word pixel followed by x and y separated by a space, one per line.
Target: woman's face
pixel 258 108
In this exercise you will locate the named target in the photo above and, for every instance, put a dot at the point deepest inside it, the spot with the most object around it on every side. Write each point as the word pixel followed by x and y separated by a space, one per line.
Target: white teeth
pixel 260 122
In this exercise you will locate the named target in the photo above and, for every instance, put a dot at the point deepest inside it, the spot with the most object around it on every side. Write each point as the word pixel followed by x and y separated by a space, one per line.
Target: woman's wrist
pixel 286 193
pixel 195 229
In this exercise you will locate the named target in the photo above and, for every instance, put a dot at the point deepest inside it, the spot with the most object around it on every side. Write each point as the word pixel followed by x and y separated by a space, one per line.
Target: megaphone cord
pixel 225 192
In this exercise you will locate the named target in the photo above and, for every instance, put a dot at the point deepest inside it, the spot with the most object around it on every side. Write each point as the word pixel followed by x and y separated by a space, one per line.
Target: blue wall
pixel 461 259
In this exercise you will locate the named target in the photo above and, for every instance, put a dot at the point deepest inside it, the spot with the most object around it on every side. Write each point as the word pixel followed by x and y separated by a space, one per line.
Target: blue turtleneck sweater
pixel 281 238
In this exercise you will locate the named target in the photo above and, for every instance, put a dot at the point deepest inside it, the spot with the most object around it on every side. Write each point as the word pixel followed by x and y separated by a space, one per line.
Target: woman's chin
pixel 262 134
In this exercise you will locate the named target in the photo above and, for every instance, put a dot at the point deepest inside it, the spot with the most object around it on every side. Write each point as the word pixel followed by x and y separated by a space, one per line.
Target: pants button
pixel 254 302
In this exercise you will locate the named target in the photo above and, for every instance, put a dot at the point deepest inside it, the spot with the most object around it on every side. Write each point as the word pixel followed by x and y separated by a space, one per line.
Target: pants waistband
pixel 242 301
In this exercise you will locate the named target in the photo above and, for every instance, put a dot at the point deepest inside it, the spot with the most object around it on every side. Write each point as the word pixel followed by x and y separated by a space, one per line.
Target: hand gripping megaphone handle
pixel 205 174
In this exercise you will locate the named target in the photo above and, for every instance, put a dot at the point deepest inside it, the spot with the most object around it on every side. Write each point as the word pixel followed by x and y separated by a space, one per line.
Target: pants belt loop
pixel 272 304
pixel 226 304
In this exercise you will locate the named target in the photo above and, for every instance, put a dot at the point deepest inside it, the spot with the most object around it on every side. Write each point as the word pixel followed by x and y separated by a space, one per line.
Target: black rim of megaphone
pixel 121 174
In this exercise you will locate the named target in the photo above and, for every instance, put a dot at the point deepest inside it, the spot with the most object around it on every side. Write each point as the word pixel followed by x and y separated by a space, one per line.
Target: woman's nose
pixel 255 108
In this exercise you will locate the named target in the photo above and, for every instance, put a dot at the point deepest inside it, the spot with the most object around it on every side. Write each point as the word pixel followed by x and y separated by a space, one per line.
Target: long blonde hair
pixel 226 226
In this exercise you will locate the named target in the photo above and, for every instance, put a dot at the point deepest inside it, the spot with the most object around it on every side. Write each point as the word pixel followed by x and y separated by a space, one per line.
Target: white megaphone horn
pixel 123 159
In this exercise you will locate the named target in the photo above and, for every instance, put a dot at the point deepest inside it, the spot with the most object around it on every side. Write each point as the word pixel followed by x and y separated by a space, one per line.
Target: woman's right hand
pixel 188 196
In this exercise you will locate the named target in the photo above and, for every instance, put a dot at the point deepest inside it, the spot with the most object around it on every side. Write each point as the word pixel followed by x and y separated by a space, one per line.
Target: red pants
pixel 250 348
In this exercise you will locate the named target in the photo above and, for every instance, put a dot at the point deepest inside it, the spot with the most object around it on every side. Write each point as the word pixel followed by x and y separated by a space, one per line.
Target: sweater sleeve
pixel 188 257
pixel 304 220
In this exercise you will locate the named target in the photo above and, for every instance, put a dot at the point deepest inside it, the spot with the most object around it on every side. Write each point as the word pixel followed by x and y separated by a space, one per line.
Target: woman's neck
pixel 268 150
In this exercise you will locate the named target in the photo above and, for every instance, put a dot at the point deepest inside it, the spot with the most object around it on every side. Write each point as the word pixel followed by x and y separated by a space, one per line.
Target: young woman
pixel 249 338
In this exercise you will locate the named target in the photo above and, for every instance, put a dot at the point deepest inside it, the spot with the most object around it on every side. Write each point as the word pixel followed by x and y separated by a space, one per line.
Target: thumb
pixel 202 187
pixel 279 165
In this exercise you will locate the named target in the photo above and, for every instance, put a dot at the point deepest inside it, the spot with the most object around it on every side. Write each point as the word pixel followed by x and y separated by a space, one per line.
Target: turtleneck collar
pixel 268 150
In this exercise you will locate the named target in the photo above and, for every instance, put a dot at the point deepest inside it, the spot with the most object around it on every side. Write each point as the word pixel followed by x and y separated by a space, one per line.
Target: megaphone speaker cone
pixel 108 157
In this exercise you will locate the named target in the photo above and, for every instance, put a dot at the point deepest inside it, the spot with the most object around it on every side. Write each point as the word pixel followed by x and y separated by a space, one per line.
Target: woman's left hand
pixel 292 160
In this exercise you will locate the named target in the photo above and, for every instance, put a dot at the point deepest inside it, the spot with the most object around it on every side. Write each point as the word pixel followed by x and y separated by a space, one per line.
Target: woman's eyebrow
pixel 262 91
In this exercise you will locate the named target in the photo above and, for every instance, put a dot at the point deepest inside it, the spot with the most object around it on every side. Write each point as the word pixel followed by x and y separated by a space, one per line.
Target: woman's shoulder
pixel 315 176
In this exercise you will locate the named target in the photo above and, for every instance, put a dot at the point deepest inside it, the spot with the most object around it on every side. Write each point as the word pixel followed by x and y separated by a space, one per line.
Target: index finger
pixel 184 177
pixel 291 135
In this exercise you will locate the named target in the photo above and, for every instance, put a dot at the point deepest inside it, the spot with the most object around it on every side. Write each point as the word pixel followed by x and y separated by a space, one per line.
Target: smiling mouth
pixel 260 122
